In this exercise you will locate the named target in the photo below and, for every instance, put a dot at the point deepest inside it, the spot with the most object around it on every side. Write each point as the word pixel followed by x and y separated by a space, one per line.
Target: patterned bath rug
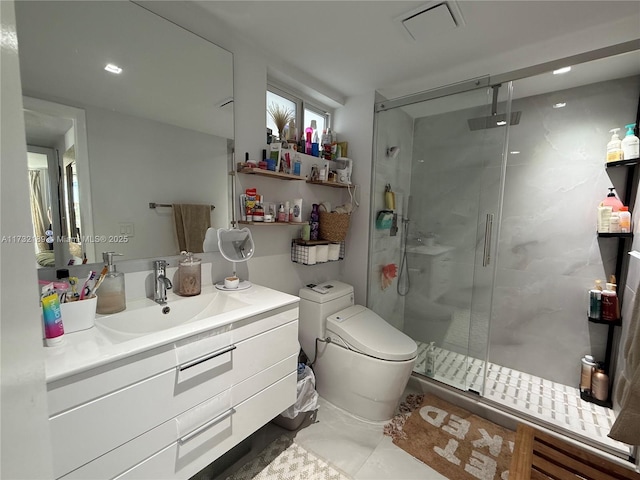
pixel 451 440
pixel 284 459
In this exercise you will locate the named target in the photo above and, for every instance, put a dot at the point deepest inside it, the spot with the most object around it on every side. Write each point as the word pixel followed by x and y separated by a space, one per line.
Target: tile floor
pixel 355 447
pixel 554 403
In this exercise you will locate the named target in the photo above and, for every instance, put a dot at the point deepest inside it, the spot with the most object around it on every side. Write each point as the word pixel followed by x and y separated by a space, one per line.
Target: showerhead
pixel 392 152
pixel 493 121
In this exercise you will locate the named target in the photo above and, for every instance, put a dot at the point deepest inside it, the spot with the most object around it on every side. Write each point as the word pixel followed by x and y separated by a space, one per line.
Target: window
pixel 302 110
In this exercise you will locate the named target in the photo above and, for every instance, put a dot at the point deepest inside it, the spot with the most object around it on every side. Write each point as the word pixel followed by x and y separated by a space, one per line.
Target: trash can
pixel 306 400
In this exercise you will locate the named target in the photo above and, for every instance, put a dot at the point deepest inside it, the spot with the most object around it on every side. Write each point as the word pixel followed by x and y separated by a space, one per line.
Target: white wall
pixel 24 435
pixel 187 166
pixel 354 123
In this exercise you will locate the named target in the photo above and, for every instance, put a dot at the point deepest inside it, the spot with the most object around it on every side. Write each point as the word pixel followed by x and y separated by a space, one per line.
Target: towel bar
pixel 167 205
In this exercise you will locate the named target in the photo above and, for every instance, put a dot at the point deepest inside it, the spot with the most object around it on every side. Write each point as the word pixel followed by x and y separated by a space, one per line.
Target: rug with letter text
pixel 452 440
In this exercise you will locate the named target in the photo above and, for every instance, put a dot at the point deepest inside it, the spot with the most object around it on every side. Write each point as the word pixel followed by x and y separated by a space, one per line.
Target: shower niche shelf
pixel 591 399
pixel 613 323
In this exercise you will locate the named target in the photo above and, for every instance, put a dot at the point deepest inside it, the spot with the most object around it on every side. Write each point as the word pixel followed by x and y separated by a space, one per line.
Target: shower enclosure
pixel 496 184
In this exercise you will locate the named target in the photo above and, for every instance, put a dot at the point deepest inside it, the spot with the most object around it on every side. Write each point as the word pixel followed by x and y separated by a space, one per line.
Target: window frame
pixel 302 103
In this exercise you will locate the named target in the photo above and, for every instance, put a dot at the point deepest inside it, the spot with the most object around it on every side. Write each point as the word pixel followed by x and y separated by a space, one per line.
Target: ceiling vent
pixel 430 20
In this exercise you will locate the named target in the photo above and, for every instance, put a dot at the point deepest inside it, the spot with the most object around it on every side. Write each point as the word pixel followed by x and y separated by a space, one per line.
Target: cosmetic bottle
pixel 630 144
pixel 614 147
pixel 315 222
pixel 595 301
pixel 281 215
pixel 287 208
pixel 587 366
pixel 611 200
pixel 430 361
pixel 610 305
pixel 111 296
pixel 625 220
pixel 600 384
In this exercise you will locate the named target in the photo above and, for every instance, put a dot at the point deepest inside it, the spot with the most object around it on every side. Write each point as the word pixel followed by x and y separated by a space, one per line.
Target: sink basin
pixel 145 316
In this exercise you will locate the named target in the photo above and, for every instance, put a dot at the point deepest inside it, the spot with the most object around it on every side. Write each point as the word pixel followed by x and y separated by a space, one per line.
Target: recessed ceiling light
pixel 113 68
pixel 501 123
pixel 515 152
pixel 562 70
pixel 560 105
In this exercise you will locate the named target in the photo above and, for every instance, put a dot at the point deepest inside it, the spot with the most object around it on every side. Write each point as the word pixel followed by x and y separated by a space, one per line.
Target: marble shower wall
pixel 547 255
pixel 395 128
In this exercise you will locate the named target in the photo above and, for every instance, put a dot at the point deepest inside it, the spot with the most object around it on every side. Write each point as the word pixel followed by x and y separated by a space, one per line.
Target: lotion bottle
pixel 600 384
pixel 111 296
pixel 614 147
pixel 630 144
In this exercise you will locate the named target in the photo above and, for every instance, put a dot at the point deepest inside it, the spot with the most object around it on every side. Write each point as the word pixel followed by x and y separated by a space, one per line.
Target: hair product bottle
pixel 588 364
pixel 600 384
pixel 610 305
pixel 595 301
pixel 614 147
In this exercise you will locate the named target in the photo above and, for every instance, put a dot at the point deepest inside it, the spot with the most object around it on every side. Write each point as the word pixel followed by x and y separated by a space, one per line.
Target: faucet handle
pixel 157 264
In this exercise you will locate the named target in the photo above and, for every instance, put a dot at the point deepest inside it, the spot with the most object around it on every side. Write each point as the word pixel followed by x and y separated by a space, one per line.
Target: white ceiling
pixel 353 46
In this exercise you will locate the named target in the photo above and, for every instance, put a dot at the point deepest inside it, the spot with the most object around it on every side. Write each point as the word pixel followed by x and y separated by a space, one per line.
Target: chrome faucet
pixel 162 283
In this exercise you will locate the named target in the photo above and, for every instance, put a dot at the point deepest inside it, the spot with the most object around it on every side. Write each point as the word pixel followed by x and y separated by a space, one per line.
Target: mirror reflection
pixel 155 128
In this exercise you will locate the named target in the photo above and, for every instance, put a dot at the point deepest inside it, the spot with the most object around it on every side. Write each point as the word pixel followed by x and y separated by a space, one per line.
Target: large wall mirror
pixel 105 146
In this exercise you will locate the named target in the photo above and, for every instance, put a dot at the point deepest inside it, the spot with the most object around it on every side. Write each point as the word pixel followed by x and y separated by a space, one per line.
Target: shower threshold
pixel 553 403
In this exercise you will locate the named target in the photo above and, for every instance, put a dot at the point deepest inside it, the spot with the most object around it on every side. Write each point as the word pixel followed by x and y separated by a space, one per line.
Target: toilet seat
pixel 366 332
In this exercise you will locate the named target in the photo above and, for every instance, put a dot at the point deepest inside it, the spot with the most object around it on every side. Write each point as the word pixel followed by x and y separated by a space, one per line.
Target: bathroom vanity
pixel 148 395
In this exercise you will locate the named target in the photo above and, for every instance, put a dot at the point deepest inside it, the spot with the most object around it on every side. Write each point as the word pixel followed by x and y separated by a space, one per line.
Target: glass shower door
pixel 450 197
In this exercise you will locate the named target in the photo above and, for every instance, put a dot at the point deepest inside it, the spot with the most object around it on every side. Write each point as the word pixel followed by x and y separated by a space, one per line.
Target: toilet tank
pixel 315 307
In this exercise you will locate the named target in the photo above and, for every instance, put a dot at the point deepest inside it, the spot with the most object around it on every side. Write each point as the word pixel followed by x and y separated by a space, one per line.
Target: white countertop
pixel 91 348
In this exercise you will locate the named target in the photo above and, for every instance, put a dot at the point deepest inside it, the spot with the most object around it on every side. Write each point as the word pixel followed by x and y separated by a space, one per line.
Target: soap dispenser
pixel 630 144
pixel 111 296
pixel 614 147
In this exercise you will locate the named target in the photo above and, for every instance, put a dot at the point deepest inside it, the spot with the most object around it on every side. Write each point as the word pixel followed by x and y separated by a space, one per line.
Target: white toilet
pixel 365 367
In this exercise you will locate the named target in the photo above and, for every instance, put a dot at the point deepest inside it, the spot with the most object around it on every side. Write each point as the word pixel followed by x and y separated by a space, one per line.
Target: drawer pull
pixel 206 426
pixel 206 357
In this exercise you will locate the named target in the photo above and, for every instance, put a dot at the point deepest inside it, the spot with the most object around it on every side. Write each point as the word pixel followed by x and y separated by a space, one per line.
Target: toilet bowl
pixel 362 364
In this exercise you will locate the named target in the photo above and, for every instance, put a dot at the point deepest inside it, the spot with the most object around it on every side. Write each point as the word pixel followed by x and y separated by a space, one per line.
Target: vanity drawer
pixel 70 392
pixel 185 443
pixel 81 434
pixel 184 459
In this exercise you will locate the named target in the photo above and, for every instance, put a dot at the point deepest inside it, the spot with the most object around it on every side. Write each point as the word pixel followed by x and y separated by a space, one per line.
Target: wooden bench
pixel 540 456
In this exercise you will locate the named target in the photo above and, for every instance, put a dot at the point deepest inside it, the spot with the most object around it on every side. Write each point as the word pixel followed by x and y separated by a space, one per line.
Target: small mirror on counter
pixel 236 246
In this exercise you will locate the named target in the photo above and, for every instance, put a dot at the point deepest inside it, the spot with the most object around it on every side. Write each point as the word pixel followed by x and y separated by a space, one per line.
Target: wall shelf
pixel 623 163
pixel 270 224
pixel 615 235
pixel 269 173
pixel 330 184
pixel 615 323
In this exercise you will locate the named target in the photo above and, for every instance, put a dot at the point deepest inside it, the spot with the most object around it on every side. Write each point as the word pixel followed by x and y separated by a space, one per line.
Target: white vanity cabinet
pixel 170 411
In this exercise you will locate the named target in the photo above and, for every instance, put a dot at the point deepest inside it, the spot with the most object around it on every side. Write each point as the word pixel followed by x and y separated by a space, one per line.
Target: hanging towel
pixel 191 224
pixel 626 428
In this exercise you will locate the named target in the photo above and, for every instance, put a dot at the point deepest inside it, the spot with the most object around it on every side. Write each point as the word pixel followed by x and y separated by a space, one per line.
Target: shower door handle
pixel 486 257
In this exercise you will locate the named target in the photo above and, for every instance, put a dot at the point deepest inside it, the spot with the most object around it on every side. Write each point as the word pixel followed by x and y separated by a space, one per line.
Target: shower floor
pixel 551 402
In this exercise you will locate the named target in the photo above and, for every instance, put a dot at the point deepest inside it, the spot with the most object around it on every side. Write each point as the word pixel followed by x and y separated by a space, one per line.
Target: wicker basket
pixel 334 226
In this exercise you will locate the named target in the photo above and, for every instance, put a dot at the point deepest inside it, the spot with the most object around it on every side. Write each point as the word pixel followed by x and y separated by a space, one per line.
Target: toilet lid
pixel 364 331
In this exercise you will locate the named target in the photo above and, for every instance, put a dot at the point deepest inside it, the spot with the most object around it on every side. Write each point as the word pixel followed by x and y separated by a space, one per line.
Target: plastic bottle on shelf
pixel 600 384
pixel 587 366
pixel 610 305
pixel 614 147
pixel 625 220
pixel 612 201
pixel 595 301
pixel 630 144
